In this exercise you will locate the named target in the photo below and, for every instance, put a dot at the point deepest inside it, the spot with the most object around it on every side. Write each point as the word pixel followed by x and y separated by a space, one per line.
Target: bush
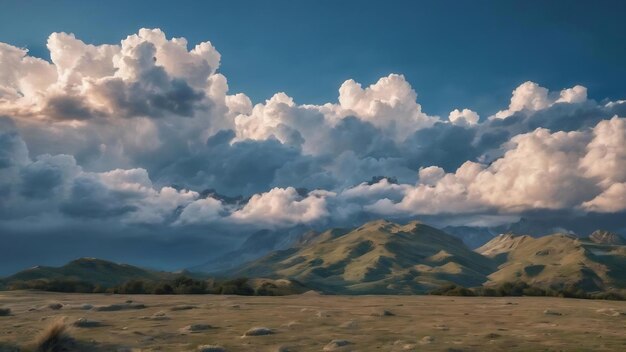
pixel 534 291
pixel 133 287
pixel 453 290
pixel 266 289
pixel 187 285
pixel 235 287
pixel 55 285
pixel 485 291
pixel 54 339
pixel 608 295
pixel 163 288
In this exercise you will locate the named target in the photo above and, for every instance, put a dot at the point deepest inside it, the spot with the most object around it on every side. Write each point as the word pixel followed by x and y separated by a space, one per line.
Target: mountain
pixel 255 246
pixel 502 244
pixel 606 237
pixel 557 261
pixel 378 257
pixel 473 237
pixel 91 270
pixel 525 226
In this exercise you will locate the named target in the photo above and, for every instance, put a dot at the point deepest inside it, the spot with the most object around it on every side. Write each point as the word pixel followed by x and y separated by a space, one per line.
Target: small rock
pixel 610 312
pixel 336 344
pixel 55 306
pixel 291 324
pixel 258 331
pixel 86 323
pixel 350 324
pixel 382 313
pixel 427 340
pixel 195 328
pixel 492 335
pixel 156 316
pixel 211 348
pixel 182 307
pixel 322 314
pixel 442 327
pixel 551 312
pixel 117 307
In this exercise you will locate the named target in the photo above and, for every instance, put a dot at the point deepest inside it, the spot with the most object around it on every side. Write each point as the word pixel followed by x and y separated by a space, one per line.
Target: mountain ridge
pixel 383 257
pixel 377 257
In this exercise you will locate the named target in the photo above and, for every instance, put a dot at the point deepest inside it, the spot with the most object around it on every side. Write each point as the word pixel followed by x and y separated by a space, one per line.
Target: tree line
pixel 520 288
pixel 180 285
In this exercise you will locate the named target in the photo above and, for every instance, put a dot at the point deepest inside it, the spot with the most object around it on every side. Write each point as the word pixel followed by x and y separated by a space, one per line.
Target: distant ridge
pixel 606 237
pixel 90 270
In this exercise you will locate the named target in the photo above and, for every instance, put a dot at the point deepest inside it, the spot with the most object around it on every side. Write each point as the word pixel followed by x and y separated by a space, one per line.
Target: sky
pixel 162 134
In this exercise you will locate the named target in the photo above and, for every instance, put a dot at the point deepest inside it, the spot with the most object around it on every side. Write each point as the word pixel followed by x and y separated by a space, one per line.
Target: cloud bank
pixel 145 132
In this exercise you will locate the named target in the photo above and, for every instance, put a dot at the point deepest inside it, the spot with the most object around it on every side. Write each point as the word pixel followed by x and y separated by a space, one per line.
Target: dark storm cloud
pixel 40 179
pixel 90 199
pixel 444 145
pixel 240 168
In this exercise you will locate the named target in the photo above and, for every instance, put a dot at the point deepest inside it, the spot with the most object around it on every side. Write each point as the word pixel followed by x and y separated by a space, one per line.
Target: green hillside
pixel 557 261
pixel 90 270
pixel 378 257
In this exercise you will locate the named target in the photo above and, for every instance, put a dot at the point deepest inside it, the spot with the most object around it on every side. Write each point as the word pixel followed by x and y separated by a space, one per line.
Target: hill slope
pixel 91 270
pixel 255 246
pixel 378 257
pixel 557 261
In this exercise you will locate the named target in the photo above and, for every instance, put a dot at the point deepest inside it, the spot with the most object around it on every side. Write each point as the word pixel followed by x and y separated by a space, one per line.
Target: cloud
pixel 538 170
pixel 530 96
pixel 206 210
pixel 389 104
pixel 465 117
pixel 284 207
pixel 144 137
pixel 146 75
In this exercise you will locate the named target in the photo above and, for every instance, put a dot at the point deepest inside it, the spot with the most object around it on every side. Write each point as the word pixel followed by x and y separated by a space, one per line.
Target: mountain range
pixel 382 257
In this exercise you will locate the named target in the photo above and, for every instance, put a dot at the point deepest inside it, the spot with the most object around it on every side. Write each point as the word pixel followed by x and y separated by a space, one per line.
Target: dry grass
pixel 428 323
pixel 54 338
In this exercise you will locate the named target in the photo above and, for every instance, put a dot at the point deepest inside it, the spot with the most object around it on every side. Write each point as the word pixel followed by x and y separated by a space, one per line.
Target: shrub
pixel 235 287
pixel 54 338
pixel 163 288
pixel 133 287
pixel 607 295
pixel 452 290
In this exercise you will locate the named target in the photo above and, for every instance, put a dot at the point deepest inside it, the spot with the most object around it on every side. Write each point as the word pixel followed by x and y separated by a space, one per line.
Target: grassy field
pixel 309 322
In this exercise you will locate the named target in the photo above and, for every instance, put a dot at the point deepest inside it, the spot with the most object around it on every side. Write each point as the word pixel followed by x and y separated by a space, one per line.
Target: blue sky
pixel 454 53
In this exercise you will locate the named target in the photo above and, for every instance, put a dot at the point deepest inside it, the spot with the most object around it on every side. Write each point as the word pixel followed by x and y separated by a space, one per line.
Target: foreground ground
pixel 309 322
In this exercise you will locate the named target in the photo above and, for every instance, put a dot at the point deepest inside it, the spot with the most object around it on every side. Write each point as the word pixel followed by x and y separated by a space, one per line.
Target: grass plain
pixel 309 322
